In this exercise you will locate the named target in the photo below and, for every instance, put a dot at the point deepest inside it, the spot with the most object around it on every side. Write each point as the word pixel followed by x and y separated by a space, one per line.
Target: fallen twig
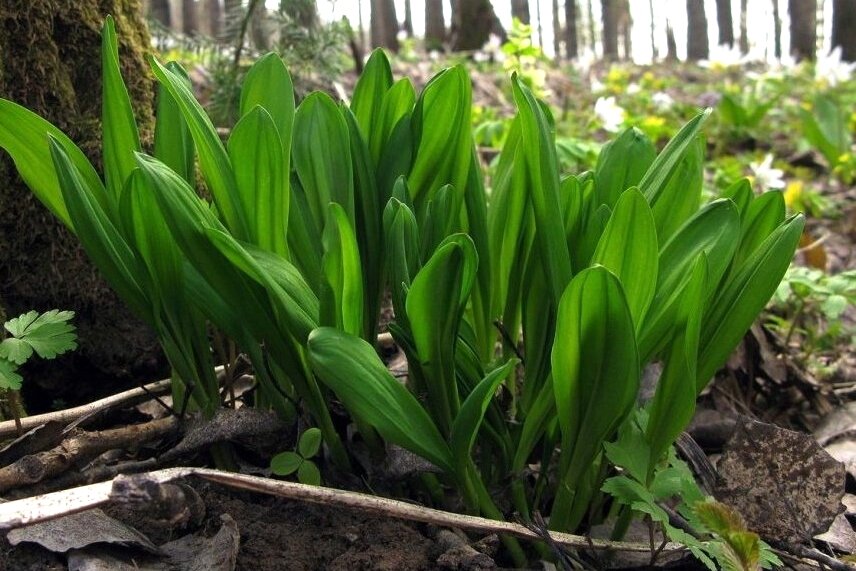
pixel 50 506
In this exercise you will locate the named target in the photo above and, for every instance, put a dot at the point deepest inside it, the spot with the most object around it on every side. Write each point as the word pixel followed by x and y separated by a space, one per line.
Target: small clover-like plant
pixel 287 463
pixel 47 335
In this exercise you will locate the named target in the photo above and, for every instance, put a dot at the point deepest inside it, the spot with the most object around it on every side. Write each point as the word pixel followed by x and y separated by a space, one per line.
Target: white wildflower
pixel 633 89
pixel 610 114
pixel 766 177
pixel 662 100
pixel 597 86
pixel 831 69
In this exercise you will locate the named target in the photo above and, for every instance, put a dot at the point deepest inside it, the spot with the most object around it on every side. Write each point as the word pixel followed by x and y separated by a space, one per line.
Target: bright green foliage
pixel 300 461
pixel 320 208
pixel 825 128
pixel 46 334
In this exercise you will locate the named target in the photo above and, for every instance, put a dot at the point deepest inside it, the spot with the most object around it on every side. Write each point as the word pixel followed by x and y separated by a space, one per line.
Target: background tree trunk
pixel 697 42
pixel 472 23
pixel 408 19
pixel 211 18
pixel 520 10
pixel 803 15
pixel 844 28
pixel 190 17
pixel 435 24
pixel 571 49
pixel 591 29
pixel 232 14
pixel 48 68
pixel 159 12
pixel 609 14
pixel 176 16
pixel 384 26
pixel 557 31
pixel 671 45
pixel 777 31
pixel 725 23
pixel 625 25
pixel 744 36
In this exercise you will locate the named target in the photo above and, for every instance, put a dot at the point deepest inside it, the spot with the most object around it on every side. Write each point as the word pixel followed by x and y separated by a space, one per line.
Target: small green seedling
pixel 287 463
pixel 46 334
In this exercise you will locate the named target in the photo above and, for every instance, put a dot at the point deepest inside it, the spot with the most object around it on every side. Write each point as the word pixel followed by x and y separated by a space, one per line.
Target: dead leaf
pixel 782 482
pixel 840 535
pixel 836 424
pixel 80 530
pixel 813 251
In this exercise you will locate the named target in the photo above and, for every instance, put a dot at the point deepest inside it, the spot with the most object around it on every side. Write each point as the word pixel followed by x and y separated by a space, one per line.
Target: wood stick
pixel 49 506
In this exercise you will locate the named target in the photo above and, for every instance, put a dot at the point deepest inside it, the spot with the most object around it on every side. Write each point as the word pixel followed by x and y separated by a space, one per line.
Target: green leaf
pixel 763 216
pixel 15 350
pixel 621 164
pixel 285 463
pixel 173 141
pixel 261 175
pixel 398 101
pixel 310 442
pixel 342 304
pixel 27 138
pixel 654 183
pixel 681 192
pixel 595 371
pixel 322 156
pixel 9 377
pixel 469 419
pixel 309 474
pixel 119 128
pixel 539 158
pixel 268 84
pixel 372 85
pixel 352 369
pixel 213 158
pixel 742 298
pixel 628 248
pixel 49 334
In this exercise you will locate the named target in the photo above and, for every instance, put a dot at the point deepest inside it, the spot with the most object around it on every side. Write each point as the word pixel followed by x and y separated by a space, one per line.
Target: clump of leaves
pixel 300 460
pixel 46 334
pixel 824 125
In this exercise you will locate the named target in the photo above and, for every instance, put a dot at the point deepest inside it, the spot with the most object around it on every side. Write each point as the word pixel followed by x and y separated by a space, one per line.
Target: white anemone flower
pixel 831 69
pixel 662 100
pixel 610 114
pixel 766 177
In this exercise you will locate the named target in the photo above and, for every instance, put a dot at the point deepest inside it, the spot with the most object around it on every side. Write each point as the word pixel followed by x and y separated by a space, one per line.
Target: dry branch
pixel 49 506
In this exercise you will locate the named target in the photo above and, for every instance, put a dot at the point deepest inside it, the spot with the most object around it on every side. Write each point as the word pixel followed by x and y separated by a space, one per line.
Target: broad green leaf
pixel 27 138
pixel 15 350
pixel 9 377
pixel 401 235
pixel 595 372
pixel 48 334
pixel 352 369
pixel 743 296
pixel 372 85
pixel 434 307
pixel 628 248
pixel 680 197
pixel 764 215
pixel 310 442
pixel 102 241
pixel 268 84
pixel 261 175
pixel 741 194
pixel 398 101
pixel 173 141
pixel 120 138
pixel 322 156
pixel 673 405
pixel 309 474
pixel 285 463
pixel 213 158
pixel 469 419
pixel 621 164
pixel 653 184
pixel 442 132
pixel 715 231
pixel 539 157
pixel 342 304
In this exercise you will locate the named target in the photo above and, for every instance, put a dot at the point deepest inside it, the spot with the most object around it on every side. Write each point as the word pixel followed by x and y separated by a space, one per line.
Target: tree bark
pixel 571 49
pixel 176 16
pixel 473 21
pixel 803 15
pixel 408 19
pixel 777 31
pixel 609 14
pixel 47 66
pixel 697 42
pixel 211 20
pixel 671 45
pixel 435 24
pixel 159 12
pixel 190 17
pixel 654 53
pixel 591 29
pixel 844 28
pixel 625 25
pixel 725 23
pixel 384 25
pixel 520 10
pixel 744 36
pixel 557 30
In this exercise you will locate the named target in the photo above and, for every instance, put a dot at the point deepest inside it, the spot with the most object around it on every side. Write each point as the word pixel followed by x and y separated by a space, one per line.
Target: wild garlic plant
pixel 526 312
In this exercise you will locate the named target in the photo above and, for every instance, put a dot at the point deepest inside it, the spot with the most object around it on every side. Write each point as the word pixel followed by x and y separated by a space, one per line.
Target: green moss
pixel 50 63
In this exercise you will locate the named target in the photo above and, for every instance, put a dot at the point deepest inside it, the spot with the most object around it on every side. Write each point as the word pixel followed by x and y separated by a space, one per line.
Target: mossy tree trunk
pixel 49 62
